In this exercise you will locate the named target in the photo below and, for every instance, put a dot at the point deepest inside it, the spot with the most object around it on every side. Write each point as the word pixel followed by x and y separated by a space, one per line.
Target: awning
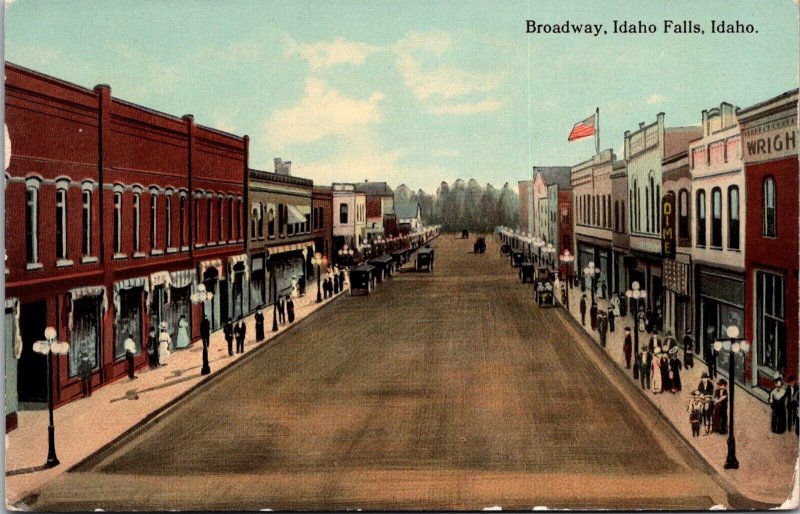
pixel 13 304
pixel 212 263
pixel 159 278
pixel 239 259
pixel 128 284
pixel 295 216
pixel 182 278
pixel 255 209
pixel 304 209
pixel 85 292
pixel 270 212
pixel 296 247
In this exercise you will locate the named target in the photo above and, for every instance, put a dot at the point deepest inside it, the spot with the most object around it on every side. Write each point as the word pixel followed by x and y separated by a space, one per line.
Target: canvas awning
pixel 159 278
pixel 128 284
pixel 295 216
pixel 296 247
pixel 255 209
pixel 239 259
pixel 13 304
pixel 212 263
pixel 182 278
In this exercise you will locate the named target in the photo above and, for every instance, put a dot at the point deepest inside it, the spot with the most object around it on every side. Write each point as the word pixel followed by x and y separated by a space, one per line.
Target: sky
pixel 409 91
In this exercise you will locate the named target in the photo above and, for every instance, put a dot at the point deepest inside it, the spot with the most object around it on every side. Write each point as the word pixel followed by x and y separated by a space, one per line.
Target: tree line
pixel 465 205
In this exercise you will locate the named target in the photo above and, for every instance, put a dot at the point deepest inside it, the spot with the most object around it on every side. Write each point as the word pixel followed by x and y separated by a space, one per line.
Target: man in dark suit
pixel 228 331
pixel 241 332
pixel 583 310
pixel 281 310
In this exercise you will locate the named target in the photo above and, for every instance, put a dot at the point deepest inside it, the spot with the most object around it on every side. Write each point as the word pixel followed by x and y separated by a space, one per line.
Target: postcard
pixel 401 255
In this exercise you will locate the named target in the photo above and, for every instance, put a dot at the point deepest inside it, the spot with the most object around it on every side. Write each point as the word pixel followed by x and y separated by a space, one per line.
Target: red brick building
pixel 565 235
pixel 322 220
pixel 114 214
pixel 769 144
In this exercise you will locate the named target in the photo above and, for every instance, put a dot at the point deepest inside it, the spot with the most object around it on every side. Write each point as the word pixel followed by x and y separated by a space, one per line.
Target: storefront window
pixel 84 337
pixel 129 320
pixel 771 321
pixel 257 282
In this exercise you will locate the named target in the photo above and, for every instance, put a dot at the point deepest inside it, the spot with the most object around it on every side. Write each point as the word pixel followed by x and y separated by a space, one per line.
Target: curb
pixel 737 499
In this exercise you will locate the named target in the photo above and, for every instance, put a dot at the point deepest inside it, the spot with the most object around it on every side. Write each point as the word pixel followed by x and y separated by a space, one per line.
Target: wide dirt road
pixel 441 390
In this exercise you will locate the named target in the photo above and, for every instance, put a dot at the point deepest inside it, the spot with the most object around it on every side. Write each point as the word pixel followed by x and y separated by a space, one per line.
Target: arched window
pixel 647 208
pixel 182 218
pixel 770 208
pixel 61 223
pixel 733 217
pixel 86 219
pixel 343 213
pixel 683 214
pixel 153 221
pixel 716 217
pixel 260 220
pixel 168 219
pixel 220 218
pixel 701 218
pixel 137 219
pixel 117 222
pixel 657 209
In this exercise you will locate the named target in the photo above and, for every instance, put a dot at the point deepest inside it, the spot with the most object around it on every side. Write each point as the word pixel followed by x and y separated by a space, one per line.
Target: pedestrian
pixel 641 319
pixel 301 282
pixel 711 357
pixel 669 341
pixel 627 347
pixel 335 280
pixel 611 317
pixel 792 403
pixel 603 288
pixel 259 317
pixel 85 371
pixel 696 412
pixel 688 349
pixel 241 331
pixel 654 341
pixel 152 348
pixel 675 367
pixel 281 310
pixel 644 362
pixel 205 331
pixel 182 341
pixel 130 354
pixel 342 276
pixel 777 400
pixel 655 372
pixel 602 327
pixel 593 315
pixel 708 412
pixel 290 309
pixel 719 421
pixel 164 344
pixel 705 386
pixel 583 310
pixel 228 331
pixel 649 321
pixel 614 304
pixel 328 287
pixel 666 377
pixel 295 292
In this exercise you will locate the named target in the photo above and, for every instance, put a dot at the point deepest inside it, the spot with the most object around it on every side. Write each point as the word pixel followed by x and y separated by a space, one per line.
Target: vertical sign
pixel 668 226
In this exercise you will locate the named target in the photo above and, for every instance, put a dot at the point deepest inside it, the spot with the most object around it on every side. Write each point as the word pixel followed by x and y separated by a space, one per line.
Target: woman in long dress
pixel 777 400
pixel 655 372
pixel 183 333
pixel 719 420
pixel 164 342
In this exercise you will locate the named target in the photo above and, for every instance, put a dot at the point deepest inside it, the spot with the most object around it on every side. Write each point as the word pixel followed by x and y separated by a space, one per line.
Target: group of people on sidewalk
pixel 709 407
pixel 333 283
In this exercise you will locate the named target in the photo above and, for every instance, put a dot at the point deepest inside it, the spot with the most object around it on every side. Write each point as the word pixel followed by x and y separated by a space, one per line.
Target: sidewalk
pixel 762 455
pixel 84 426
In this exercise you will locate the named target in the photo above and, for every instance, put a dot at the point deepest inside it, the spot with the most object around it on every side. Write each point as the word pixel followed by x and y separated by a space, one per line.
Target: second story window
pixel 153 221
pixel 683 214
pixel 220 213
pixel 32 224
pixel 209 217
pixel 701 218
pixel 61 224
pixel 86 224
pixel 182 219
pixel 168 229
pixel 770 208
pixel 716 220
pixel 260 220
pixel 343 213
pixel 230 219
pixel 117 222
pixel 733 218
pixel 271 221
pixel 137 219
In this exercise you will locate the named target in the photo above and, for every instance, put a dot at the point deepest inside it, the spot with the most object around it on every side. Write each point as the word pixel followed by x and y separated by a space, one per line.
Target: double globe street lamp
pixel 318 260
pixel 346 253
pixel 201 296
pixel 50 346
pixel 734 345
pixel 636 294
pixel 591 272
pixel 549 250
pixel 567 258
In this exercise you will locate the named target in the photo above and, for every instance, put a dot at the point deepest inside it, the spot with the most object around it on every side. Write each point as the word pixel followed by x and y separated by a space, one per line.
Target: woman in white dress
pixel 183 333
pixel 164 343
pixel 655 371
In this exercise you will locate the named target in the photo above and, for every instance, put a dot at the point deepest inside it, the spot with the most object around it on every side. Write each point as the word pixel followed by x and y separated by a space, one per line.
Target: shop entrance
pixel 32 366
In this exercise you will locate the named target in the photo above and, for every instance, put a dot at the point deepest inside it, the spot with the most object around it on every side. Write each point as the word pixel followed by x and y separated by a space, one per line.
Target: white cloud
pixel 655 99
pixel 321 113
pixel 325 54
pixel 486 105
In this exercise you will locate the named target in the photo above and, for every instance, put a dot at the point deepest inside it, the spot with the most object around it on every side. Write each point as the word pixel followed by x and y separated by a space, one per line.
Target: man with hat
pixel 602 327
pixel 669 341
pixel 719 422
pixel 695 412
pixel 583 310
pixel 593 315
pixel 611 318
pixel 710 353
pixel 654 341
pixel 644 363
pixel 705 386
pixel 675 370
pixel 791 406
pixel 627 347
pixel 688 349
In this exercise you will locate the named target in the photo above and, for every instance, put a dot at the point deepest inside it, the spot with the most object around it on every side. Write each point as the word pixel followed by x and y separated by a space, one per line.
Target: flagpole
pixel 597 131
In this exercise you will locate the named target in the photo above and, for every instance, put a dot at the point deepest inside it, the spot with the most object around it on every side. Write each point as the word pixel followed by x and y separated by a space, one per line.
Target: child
pixel 695 412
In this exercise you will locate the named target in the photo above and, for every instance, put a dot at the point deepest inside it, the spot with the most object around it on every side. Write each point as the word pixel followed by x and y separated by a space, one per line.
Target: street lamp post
pixel 592 273
pixel 49 347
pixel 200 297
pixel 636 294
pixel 567 258
pixel 735 345
pixel 538 244
pixel 550 250
pixel 317 260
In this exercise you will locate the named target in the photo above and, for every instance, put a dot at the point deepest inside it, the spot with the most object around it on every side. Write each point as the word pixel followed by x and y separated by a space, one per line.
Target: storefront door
pixel 129 321
pixel 85 335
pixel 32 366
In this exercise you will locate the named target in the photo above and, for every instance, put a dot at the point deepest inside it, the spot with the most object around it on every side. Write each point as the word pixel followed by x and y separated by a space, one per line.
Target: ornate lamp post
pixel 550 250
pixel 567 258
pixel 591 272
pixel 346 253
pixel 50 346
pixel 200 296
pixel 538 244
pixel 635 294
pixel 735 345
pixel 317 261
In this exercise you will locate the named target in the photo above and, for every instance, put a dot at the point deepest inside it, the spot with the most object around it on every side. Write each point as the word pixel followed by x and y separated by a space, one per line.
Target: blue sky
pixel 414 92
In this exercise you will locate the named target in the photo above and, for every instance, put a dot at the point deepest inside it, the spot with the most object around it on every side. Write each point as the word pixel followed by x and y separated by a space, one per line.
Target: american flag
pixel 582 129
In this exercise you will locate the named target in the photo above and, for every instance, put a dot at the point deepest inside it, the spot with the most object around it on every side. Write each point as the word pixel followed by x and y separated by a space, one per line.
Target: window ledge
pixel 717 248
pixel 735 250
pixel 156 252
pixel 139 255
pixel 184 248
pixel 64 263
pixel 119 256
pixel 211 243
pixel 199 245
pixel 233 241
pixel 31 266
pixel 88 260
pixel 172 249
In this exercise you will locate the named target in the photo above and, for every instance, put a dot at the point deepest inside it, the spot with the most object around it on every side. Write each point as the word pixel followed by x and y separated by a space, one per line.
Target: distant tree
pixel 508 207
pixel 402 194
pixel 426 205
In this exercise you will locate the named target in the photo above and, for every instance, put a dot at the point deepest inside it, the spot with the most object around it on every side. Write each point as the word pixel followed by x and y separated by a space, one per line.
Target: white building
pixel 349 216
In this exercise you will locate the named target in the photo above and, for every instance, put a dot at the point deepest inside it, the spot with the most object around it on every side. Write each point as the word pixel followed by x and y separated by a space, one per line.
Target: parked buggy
pixel 479 246
pixel 526 272
pixel 505 250
pixel 425 259
pixel 517 257
pixel 465 234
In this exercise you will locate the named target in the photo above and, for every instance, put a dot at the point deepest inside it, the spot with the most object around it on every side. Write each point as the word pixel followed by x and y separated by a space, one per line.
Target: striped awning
pixel 182 278
pixel 212 263
pixel 128 284
pixel 296 247
pixel 239 259
pixel 13 304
